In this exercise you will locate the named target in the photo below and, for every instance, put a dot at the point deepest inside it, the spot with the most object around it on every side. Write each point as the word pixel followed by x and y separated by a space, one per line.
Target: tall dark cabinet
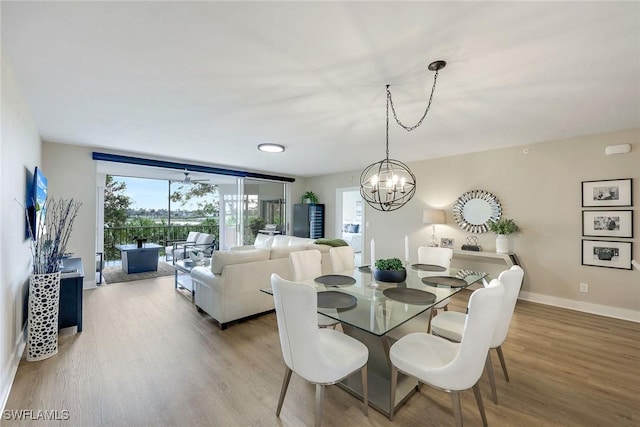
pixel 308 220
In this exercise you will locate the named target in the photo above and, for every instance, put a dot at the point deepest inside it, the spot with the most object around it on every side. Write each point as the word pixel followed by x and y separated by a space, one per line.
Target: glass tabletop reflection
pixel 378 313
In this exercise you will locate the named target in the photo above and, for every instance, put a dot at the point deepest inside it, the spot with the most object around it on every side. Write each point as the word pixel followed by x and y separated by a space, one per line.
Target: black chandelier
pixel 389 184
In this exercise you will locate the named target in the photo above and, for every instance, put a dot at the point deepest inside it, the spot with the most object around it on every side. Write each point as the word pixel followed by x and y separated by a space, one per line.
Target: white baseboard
pixel 10 373
pixel 90 284
pixel 602 310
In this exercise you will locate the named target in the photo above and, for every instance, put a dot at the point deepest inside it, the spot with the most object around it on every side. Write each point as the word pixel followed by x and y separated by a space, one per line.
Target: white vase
pixel 42 327
pixel 502 244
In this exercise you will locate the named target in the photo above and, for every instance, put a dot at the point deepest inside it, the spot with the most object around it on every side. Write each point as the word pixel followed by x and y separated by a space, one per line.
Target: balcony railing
pixel 162 235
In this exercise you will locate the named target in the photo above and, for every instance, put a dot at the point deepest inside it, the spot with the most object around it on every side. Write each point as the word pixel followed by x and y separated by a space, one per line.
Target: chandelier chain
pixel 395 116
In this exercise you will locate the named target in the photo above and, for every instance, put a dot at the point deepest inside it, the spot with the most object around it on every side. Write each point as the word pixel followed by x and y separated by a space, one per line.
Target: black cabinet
pixel 308 220
pixel 71 286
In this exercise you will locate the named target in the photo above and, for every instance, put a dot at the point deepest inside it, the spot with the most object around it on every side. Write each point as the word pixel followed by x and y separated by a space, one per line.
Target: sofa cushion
pixel 284 251
pixel 284 240
pixel 222 258
pixel 263 241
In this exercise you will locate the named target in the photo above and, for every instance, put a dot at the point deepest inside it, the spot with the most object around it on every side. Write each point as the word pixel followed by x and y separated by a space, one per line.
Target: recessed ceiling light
pixel 271 148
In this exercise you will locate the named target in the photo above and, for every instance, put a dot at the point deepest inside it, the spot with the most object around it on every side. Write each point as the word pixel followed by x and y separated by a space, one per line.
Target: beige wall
pixel 72 175
pixel 19 155
pixel 541 190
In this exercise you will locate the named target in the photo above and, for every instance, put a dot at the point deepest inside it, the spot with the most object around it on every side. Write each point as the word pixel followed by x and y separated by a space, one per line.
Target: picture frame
pixel 446 242
pixel 607 193
pixel 605 253
pixel 607 223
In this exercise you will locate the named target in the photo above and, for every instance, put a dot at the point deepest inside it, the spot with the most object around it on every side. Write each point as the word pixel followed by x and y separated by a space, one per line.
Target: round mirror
pixel 473 209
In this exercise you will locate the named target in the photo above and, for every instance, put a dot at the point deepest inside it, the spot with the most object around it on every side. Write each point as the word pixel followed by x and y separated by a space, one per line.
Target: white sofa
pixel 230 289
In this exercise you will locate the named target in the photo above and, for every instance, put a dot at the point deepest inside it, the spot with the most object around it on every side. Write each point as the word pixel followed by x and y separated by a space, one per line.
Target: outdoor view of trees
pixel 193 207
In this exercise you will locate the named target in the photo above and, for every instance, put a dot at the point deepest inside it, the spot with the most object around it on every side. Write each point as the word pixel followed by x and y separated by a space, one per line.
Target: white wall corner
pixel 10 372
pixel 586 307
pixel 89 284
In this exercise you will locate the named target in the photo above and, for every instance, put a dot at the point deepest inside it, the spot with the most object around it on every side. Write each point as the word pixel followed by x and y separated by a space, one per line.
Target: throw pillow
pixel 331 242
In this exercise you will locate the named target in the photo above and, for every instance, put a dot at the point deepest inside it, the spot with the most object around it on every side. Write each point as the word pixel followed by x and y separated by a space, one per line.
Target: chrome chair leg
pixel 431 311
pixel 392 397
pixel 319 399
pixel 365 391
pixel 502 362
pixel 285 385
pixel 457 409
pixel 488 366
pixel 476 391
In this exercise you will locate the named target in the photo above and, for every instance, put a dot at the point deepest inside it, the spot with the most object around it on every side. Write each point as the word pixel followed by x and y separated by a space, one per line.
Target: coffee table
pixel 183 269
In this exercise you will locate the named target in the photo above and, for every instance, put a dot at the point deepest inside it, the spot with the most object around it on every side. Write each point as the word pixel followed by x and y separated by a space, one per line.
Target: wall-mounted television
pixel 35 203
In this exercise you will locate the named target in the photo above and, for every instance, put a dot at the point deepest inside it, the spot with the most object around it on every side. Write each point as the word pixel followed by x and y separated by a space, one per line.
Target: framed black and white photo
pixel 604 253
pixel 607 223
pixel 446 242
pixel 610 192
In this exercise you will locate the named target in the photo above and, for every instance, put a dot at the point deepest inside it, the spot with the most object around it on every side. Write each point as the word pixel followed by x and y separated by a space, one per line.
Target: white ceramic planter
pixel 44 302
pixel 502 244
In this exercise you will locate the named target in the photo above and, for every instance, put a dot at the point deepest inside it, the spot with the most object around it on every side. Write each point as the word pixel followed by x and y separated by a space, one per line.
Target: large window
pixel 160 211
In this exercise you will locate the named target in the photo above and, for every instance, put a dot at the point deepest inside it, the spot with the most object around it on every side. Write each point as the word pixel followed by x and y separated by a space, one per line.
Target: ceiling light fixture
pixel 271 148
pixel 389 184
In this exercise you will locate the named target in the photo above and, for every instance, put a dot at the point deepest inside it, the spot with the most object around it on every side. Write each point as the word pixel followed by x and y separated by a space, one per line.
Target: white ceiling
pixel 206 82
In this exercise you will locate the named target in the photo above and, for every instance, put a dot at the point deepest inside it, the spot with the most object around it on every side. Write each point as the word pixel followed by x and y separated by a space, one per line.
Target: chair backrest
pixel 512 281
pixel 192 237
pixel 342 259
pixel 296 305
pixel 436 256
pixel 305 264
pixel 205 239
pixel 466 368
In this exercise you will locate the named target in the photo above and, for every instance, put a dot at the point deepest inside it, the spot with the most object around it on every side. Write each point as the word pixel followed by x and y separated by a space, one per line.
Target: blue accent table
pixel 139 260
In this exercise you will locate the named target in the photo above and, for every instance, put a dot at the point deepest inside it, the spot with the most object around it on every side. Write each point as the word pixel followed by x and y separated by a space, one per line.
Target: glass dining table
pixel 376 313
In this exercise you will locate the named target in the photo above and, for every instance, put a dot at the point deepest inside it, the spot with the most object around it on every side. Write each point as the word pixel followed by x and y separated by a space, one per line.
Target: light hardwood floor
pixel 147 358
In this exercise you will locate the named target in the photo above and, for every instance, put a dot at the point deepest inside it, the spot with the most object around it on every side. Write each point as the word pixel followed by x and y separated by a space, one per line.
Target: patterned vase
pixel 42 327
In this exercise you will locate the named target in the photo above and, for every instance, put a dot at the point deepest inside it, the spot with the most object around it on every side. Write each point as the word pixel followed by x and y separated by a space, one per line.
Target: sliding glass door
pixel 264 208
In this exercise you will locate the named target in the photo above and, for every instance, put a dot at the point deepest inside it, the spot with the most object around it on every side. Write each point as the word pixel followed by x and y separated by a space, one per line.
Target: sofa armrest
pixel 203 275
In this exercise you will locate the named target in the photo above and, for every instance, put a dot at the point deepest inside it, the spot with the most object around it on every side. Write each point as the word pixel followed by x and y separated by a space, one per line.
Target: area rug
pixel 117 275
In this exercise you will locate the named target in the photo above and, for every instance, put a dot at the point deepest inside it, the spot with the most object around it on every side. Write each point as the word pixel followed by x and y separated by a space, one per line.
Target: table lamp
pixel 433 217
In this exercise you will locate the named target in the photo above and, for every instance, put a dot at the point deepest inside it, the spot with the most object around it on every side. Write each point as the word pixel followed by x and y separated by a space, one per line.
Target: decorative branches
pixel 54 221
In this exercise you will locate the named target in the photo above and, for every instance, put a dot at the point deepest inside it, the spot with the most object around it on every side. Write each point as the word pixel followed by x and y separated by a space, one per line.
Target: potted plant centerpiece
pixel 503 227
pixel 389 270
pixel 309 197
pixel 54 221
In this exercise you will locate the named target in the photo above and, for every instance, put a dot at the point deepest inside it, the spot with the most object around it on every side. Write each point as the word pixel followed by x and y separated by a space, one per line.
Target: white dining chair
pixel 441 257
pixel 306 265
pixel 342 259
pixel 321 356
pixel 446 365
pixel 451 325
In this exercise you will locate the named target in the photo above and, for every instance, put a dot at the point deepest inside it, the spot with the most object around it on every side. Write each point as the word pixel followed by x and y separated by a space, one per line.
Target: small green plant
pixel 389 264
pixel 503 226
pixel 309 195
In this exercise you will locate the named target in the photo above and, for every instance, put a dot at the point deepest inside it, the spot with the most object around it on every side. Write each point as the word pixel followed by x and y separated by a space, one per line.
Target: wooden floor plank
pixel 146 357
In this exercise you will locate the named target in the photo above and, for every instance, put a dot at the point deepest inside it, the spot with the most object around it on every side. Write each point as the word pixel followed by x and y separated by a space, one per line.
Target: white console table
pixel 510 259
